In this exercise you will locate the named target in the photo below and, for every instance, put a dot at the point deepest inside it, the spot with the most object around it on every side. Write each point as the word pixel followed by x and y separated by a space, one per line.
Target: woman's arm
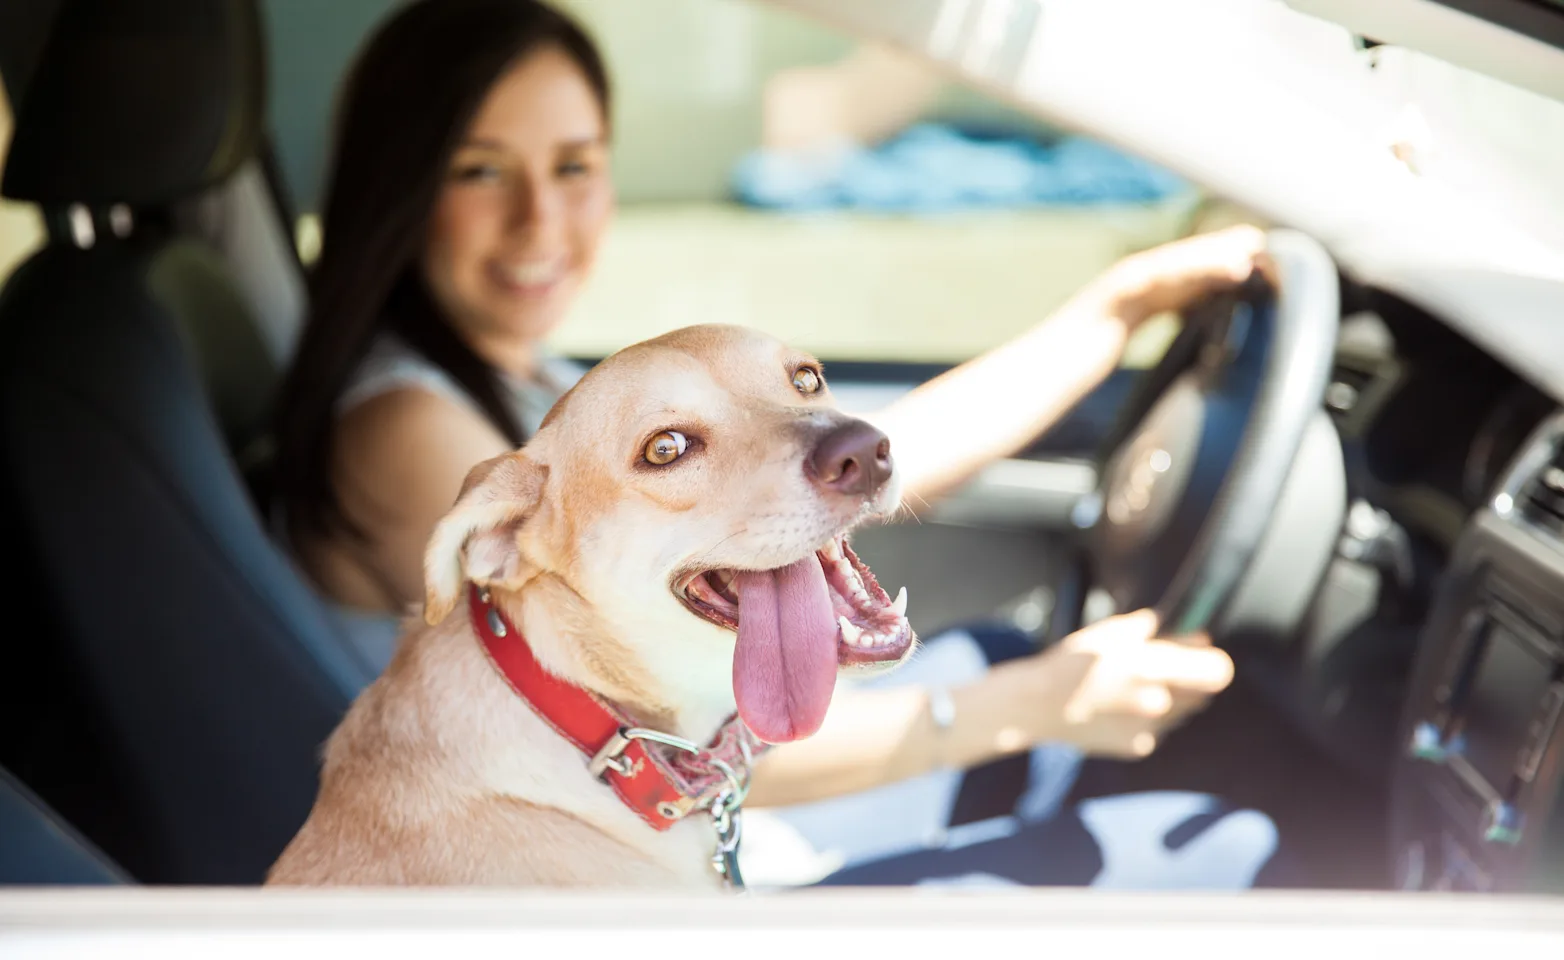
pixel 1110 689
pixel 398 465
pixel 989 408
pixel 869 738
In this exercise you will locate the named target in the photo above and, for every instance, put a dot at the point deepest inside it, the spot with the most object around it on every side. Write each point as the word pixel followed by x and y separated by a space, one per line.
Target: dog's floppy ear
pixel 478 540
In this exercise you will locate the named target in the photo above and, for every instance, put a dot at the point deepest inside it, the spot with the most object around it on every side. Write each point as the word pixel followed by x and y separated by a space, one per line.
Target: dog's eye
pixel 806 380
pixel 665 448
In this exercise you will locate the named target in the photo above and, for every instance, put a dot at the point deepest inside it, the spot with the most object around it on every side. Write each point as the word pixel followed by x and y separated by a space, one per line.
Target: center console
pixel 1476 798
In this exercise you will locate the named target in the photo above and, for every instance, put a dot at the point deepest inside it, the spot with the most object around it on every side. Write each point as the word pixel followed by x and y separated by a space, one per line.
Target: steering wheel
pixel 1195 467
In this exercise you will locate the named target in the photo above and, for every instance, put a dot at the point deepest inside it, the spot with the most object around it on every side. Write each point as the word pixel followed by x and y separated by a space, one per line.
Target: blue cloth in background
pixel 937 168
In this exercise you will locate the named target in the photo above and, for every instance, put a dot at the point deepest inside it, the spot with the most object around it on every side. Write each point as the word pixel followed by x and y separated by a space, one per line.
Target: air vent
pixel 1542 498
pixel 1347 386
pixel 1358 390
pixel 1532 490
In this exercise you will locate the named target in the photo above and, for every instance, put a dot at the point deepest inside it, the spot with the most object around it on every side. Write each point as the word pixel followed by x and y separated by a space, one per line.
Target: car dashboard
pixel 1457 466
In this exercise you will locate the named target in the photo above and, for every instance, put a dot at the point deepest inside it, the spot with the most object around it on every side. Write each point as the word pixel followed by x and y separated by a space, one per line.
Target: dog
pixel 618 617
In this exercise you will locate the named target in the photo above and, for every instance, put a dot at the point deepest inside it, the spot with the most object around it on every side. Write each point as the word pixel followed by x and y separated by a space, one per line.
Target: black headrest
pixel 140 102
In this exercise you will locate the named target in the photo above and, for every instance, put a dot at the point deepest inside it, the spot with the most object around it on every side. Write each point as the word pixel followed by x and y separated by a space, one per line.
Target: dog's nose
pixel 854 459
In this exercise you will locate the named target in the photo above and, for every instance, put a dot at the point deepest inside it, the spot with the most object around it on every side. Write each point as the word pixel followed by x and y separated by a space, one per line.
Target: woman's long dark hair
pixel 408 101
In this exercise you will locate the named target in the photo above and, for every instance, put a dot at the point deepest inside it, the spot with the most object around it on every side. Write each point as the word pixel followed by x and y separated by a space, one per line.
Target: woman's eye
pixel 477 173
pixel 665 448
pixel 573 169
pixel 807 380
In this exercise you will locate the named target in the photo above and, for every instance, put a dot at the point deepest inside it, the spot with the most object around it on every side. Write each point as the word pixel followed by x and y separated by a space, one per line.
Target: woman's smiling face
pixel 527 197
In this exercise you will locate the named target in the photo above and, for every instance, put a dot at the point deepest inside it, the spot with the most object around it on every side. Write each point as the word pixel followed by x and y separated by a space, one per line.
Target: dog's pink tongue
pixel 784 669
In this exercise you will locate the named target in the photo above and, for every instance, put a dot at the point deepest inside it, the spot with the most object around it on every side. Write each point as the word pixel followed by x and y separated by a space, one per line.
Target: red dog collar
pixel 661 777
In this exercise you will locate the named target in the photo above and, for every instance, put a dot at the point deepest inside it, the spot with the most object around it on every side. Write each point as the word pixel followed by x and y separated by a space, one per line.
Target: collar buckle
pixel 611 756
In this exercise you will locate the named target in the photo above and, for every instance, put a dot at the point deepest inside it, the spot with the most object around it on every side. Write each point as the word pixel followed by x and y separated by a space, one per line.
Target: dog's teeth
pixel 899 605
pixel 850 631
pixel 832 551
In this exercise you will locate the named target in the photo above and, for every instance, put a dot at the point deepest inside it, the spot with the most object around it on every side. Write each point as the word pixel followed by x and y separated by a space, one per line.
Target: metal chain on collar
pixel 726 806
pixel 727 819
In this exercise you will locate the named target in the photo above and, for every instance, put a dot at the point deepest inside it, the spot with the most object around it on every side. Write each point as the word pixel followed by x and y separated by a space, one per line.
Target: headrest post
pixel 83 233
pixel 121 221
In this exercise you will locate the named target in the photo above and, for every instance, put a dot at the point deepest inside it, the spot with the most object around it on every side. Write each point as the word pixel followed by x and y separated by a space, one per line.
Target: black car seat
pixel 212 671
pixel 37 847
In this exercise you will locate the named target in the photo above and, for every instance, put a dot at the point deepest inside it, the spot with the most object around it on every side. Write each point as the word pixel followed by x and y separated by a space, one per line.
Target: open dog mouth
pixel 796 626
pixel 871 627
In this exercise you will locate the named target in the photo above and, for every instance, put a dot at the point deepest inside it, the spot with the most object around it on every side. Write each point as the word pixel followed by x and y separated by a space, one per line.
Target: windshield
pixel 1299 74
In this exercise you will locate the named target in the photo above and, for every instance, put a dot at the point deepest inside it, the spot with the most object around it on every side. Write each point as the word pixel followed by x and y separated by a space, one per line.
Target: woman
pixel 468 195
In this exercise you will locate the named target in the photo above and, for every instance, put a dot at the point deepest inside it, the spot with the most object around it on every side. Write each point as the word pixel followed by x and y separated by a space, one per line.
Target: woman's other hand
pixel 1111 689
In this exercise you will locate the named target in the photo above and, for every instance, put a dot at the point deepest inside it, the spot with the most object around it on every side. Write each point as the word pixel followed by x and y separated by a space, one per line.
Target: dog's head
pixel 690 498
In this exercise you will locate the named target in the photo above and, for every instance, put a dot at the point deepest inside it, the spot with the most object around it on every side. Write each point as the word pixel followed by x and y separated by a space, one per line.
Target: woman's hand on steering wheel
pixel 1112 688
pixel 1174 275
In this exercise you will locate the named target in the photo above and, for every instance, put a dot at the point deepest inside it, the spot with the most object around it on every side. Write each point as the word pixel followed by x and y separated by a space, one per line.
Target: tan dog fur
pixel 440 774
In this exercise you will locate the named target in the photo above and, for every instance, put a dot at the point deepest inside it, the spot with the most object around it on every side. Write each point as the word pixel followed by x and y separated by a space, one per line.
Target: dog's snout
pixel 854 458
